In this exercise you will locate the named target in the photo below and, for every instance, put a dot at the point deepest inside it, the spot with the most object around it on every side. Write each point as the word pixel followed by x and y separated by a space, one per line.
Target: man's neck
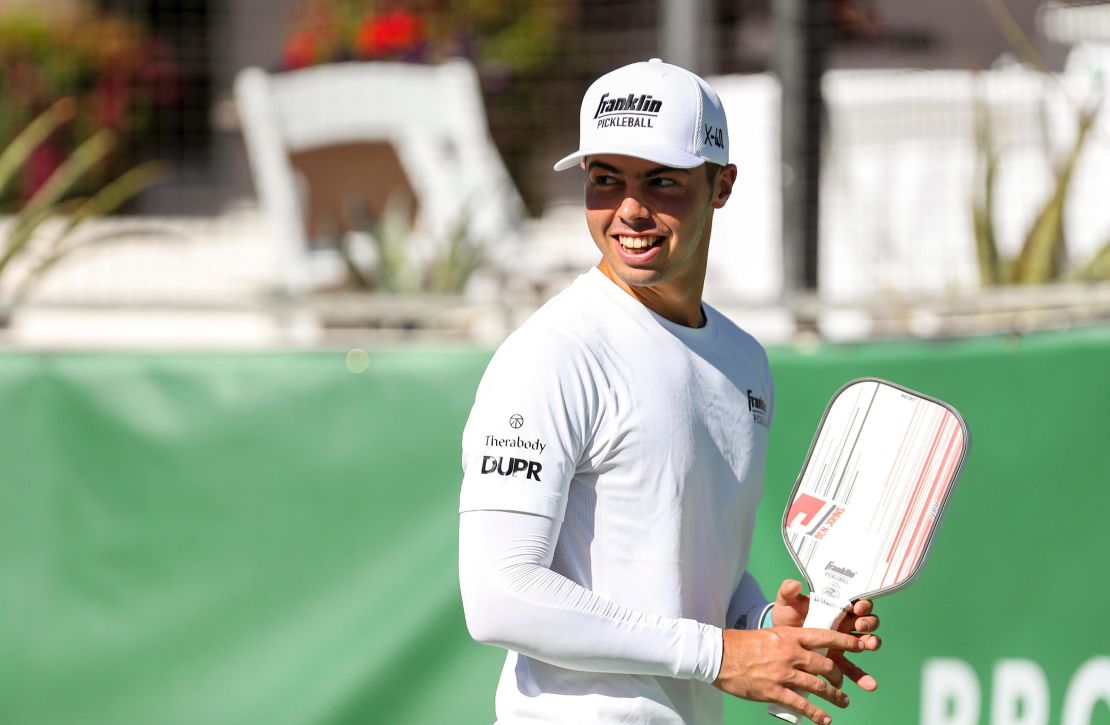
pixel 677 301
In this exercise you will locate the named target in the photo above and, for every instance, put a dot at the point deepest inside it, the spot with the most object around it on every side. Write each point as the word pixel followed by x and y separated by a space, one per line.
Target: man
pixel 614 456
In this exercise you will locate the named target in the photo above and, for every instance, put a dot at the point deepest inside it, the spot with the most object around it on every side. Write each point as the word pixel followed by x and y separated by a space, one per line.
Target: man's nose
pixel 633 208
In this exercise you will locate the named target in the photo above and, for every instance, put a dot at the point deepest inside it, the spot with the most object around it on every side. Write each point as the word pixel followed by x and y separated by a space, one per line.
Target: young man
pixel 614 456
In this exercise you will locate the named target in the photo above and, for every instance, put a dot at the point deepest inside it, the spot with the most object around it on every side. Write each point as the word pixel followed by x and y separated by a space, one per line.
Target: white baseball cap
pixel 652 110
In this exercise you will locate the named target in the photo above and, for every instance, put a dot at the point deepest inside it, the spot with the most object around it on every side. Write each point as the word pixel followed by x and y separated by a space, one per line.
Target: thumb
pixel 791 598
pixel 790 593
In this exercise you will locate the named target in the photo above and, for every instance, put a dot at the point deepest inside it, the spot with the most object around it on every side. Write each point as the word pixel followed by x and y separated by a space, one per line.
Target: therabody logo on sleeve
pixel 512 467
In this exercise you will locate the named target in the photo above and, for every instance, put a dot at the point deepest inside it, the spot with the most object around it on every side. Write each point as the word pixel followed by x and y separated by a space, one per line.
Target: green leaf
pixel 1038 261
pixel 455 261
pixel 982 203
pixel 1016 37
pixel 117 193
pixel 24 144
pixel 46 199
pixel 1098 268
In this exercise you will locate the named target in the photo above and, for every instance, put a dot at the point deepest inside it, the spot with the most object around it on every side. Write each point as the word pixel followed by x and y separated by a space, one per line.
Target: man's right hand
pixel 764 664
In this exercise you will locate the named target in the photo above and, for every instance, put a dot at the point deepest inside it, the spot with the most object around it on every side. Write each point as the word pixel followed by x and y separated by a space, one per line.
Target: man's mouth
pixel 638 244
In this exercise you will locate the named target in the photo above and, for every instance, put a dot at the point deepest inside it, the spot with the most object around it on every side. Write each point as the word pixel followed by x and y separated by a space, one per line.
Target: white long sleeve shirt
pixel 613 465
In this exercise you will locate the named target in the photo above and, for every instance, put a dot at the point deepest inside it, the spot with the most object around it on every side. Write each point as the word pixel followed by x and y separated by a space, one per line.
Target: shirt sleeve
pixel 512 599
pixel 530 424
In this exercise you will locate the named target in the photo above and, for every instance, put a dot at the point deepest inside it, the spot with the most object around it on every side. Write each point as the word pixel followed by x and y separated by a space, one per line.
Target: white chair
pixel 432 116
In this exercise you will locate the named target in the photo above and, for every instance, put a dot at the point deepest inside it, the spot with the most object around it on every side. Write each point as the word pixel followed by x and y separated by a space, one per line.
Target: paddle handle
pixel 822 615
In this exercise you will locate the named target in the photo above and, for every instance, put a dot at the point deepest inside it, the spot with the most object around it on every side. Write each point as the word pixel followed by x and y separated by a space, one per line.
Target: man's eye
pixel 604 180
pixel 664 182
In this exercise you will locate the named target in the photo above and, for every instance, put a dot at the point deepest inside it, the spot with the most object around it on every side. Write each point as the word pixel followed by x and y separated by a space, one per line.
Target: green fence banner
pixel 271 537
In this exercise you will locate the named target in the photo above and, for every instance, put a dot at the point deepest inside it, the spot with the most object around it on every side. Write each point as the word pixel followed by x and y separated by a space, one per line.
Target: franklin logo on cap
pixel 652 110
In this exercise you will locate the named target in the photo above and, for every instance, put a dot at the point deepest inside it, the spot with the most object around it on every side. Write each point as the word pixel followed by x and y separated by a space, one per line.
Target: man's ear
pixel 722 189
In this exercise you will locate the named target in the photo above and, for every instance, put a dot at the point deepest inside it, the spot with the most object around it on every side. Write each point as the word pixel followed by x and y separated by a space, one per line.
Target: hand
pixel 764 665
pixel 791 608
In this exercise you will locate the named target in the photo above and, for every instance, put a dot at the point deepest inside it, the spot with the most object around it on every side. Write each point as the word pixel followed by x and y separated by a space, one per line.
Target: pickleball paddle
pixel 866 506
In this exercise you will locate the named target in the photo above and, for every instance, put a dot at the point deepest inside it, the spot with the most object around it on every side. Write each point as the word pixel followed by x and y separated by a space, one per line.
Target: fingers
pixel 871 642
pixel 801 705
pixel 854 673
pixel 861 618
pixel 811 667
pixel 860 627
pixel 789 590
pixel 819 664
pixel 830 639
pixel 791 606
pixel 820 687
pixel 863 624
pixel 770 664
pixel 835 675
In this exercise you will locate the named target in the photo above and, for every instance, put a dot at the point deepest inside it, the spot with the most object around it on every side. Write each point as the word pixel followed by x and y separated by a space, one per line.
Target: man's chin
pixel 630 276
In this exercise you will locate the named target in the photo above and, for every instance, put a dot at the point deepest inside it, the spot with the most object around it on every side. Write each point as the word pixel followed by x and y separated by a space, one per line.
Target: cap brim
pixel 661 155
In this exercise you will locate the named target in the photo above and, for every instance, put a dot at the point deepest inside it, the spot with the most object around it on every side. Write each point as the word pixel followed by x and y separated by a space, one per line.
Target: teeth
pixel 636 242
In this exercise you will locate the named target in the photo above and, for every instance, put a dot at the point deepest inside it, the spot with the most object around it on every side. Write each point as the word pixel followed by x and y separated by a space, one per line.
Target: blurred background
pixel 254 257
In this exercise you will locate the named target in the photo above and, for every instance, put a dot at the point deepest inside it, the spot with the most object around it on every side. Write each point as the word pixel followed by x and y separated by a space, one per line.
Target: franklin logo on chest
pixel 758 408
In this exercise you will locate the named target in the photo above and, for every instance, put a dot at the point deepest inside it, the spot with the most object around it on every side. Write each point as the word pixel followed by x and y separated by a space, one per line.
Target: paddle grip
pixel 822 615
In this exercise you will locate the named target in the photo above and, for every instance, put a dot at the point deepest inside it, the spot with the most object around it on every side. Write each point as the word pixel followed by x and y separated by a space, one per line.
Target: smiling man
pixel 604 539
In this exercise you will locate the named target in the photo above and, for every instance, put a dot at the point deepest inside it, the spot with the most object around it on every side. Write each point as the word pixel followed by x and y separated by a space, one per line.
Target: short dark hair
pixel 711 170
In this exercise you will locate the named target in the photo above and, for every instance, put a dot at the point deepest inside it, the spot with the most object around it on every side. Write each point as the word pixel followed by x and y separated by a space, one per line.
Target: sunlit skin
pixel 635 197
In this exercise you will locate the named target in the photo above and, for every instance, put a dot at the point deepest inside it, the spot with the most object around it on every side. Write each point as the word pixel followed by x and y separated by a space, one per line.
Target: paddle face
pixel 877 478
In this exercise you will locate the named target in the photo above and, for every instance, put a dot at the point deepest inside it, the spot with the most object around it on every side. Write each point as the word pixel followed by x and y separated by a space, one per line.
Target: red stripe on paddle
pixel 932 491
pixel 916 490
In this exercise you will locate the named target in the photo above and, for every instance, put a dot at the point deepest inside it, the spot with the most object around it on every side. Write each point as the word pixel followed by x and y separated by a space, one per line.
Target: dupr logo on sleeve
pixel 511 467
